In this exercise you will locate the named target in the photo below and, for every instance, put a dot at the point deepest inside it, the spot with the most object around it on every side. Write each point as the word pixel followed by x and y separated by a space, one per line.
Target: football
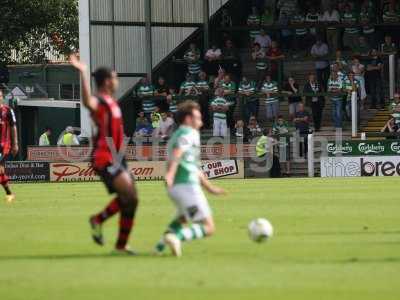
pixel 260 230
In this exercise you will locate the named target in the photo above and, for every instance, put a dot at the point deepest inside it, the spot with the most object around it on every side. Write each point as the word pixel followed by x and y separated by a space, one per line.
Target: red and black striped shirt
pixel 7 122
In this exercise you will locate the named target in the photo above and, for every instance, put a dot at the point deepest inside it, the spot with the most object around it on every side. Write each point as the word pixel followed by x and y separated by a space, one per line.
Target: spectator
pixel 156 121
pixel 367 19
pixel 335 87
pixel 311 89
pixel 229 88
pixel 219 106
pixel 44 139
pixel 300 34
pixel 388 47
pixel 270 89
pixel 331 16
pixel 374 76
pixel 395 105
pixel 390 127
pixel 350 35
pixel 318 51
pixel 167 125
pixel 253 127
pixel 171 100
pixel 287 7
pixel 263 39
pixel 145 92
pixel 240 130
pixel 292 89
pixel 220 78
pixel 313 17
pixel 341 63
pixel 258 55
pixel 279 128
pixel 362 48
pixel 390 15
pixel 188 87
pixel 265 149
pixel 254 21
pixel 230 53
pixel 214 53
pixel 69 138
pixel 192 57
pixel 226 19
pixel 286 34
pixel 350 85
pixel 203 88
pixel 302 125
pixel 143 126
pixel 359 71
pixel 162 91
pixel 335 68
pixel 273 55
pixel 247 90
pixel 267 18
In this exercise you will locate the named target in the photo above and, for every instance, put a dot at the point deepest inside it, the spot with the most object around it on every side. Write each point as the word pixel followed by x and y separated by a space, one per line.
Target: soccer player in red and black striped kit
pixel 108 157
pixel 8 143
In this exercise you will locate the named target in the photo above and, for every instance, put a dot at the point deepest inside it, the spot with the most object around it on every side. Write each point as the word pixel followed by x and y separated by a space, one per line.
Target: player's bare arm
pixel 14 136
pixel 212 189
pixel 173 166
pixel 88 100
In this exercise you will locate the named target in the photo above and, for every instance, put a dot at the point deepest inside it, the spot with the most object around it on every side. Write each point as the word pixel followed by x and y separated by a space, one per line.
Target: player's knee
pixel 209 228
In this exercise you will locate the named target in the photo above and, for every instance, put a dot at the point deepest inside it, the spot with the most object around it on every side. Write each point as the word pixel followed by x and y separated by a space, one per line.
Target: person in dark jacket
pixel 316 102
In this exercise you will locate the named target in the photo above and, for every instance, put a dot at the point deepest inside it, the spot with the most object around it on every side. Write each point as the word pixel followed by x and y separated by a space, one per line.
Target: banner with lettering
pixel 363 148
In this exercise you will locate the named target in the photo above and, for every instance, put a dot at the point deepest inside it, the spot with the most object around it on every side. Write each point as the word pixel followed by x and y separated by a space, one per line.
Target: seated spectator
pixel 287 7
pixel 302 124
pixel 145 91
pixel 312 88
pixel 247 90
pixel 171 100
pixel 219 107
pixel 213 54
pixel 192 57
pixel 143 126
pixel 331 16
pixel 362 48
pixel 374 80
pixel 321 50
pixel 280 126
pixel 335 87
pixel 226 19
pixel 253 127
pixel 44 139
pixel 359 71
pixel 253 20
pixel 188 87
pixel 300 34
pixel 229 51
pixel 240 129
pixel 395 110
pixel 258 55
pixel 388 47
pixel 267 18
pixel 292 88
pixel 269 88
pixel 395 105
pixel 167 125
pixel 273 55
pixel 350 35
pixel 390 15
pixel 263 39
pixel 156 121
pixel 69 138
pixel 390 126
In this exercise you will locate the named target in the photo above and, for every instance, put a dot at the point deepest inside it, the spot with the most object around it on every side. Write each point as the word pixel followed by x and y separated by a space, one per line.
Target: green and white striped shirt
pixel 350 18
pixel 186 86
pixel 270 87
pixel 147 91
pixel 219 101
pixel 313 18
pixel 299 19
pixel 261 63
pixel 202 85
pixel 193 65
pixel 334 85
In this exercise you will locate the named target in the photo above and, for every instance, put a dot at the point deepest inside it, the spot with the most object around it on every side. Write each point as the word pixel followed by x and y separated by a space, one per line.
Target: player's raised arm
pixel 87 99
pixel 173 166
pixel 209 186
pixel 14 133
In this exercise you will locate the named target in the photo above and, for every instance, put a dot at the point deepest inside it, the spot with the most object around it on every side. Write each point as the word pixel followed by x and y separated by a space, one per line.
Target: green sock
pixel 192 232
pixel 173 227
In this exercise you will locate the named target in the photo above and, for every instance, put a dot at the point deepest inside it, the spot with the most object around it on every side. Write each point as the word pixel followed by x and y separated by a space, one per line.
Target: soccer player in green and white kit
pixel 185 179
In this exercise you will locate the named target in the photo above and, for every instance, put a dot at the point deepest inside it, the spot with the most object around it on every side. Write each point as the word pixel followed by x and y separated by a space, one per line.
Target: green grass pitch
pixel 335 239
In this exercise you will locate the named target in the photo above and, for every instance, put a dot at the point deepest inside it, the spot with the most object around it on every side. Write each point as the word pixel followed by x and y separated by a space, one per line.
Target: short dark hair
pixel 101 75
pixel 186 109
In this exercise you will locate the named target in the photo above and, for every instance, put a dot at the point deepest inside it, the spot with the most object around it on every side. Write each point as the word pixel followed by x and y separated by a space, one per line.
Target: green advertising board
pixel 363 148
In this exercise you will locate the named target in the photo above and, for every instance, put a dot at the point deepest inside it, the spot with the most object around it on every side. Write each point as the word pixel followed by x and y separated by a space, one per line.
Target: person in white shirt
pixel 331 16
pixel 167 125
pixel 213 54
pixel 263 39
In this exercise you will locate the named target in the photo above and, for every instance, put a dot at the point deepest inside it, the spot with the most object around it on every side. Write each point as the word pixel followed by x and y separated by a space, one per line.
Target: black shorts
pixel 109 173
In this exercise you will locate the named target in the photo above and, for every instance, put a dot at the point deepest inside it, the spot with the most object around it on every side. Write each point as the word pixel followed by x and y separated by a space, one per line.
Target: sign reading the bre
pixel 220 168
pixel 25 171
pixel 361 148
pixel 360 166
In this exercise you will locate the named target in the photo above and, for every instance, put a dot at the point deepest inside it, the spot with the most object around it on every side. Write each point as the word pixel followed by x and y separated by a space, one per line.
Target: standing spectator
pixel 229 88
pixel 313 17
pixel 171 100
pixel 362 48
pixel 359 71
pixel 331 16
pixel 292 89
pixel 300 34
pixel 44 139
pixel 335 87
pixel 350 35
pixel 287 7
pixel 192 57
pixel 247 90
pixel 162 91
pixel 69 138
pixel 318 51
pixel 145 91
pixel 273 55
pixel 311 89
pixel 143 126
pixel 226 19
pixel 341 63
pixel 267 18
pixel 204 89
pixel 219 79
pixel 219 106
pixel 374 76
pixel 279 128
pixel 254 21
pixel 188 87
pixel 270 89
pixel 240 130
pixel 253 127
pixel 367 19
pixel 263 39
pixel 302 125
pixel 286 35
pixel 390 15
pixel 156 121
pixel 229 52
pixel 258 55
pixel 350 85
